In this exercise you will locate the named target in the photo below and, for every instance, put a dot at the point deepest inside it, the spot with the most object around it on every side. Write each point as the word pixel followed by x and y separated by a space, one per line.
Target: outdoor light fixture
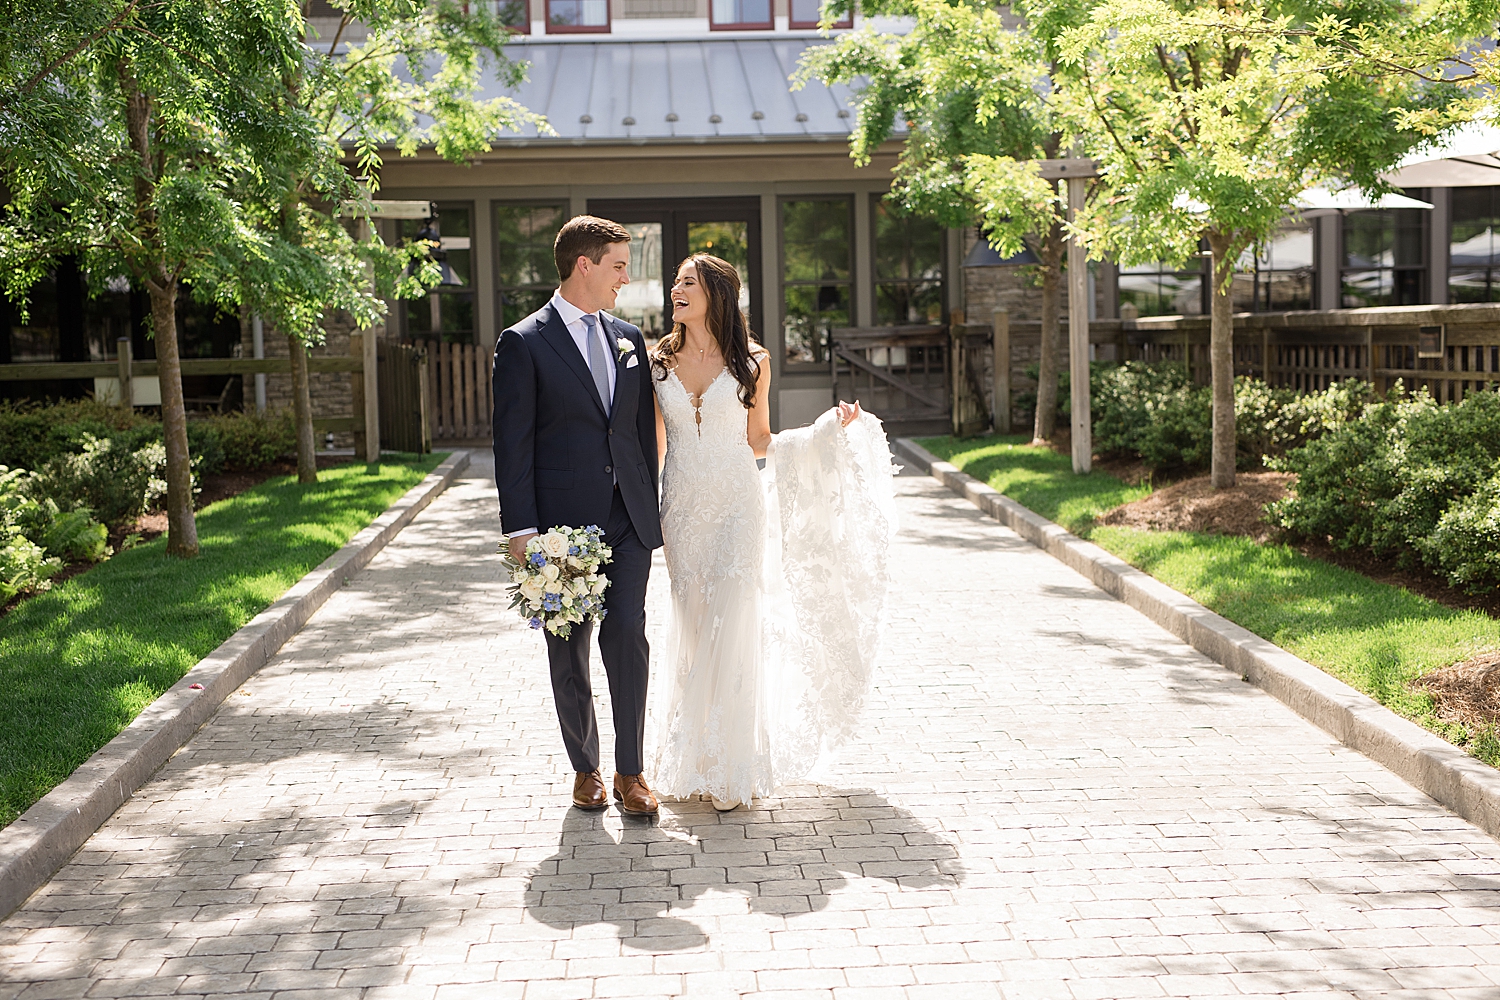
pixel 1430 341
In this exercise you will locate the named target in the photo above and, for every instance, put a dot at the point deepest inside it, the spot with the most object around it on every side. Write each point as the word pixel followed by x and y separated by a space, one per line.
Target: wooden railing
pixel 898 372
pixel 459 389
pixel 1449 350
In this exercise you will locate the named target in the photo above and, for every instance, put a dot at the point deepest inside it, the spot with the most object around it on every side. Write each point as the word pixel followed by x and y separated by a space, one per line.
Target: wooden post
pixel 1078 334
pixel 424 403
pixel 123 359
pixel 469 390
pixel 447 382
pixel 1000 333
pixel 357 393
pixel 371 377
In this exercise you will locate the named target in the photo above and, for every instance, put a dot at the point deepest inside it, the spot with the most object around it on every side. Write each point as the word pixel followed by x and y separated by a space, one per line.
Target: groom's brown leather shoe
pixel 633 794
pixel 588 790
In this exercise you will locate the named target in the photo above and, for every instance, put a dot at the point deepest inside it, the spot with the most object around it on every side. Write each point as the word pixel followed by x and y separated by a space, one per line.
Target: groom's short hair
pixel 585 236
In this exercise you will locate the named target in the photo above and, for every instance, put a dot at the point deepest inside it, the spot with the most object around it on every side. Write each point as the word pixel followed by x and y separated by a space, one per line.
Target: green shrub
pixel 107 478
pixel 32 434
pixel 1156 412
pixel 76 537
pixel 24 567
pixel 250 441
pixel 1410 479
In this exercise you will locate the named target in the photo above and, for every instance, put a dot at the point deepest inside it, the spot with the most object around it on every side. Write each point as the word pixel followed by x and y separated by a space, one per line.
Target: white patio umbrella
pixel 1469 157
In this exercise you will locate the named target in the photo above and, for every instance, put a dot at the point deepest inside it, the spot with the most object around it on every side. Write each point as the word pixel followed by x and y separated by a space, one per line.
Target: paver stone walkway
pixel 1050 798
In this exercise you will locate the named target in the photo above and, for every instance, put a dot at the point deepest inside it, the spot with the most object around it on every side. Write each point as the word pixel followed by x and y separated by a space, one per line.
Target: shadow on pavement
pixel 785 855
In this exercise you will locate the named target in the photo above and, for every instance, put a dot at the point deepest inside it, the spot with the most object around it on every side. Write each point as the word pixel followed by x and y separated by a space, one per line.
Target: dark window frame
pixel 579 29
pixel 470 292
pixel 565 209
pixel 525 26
pixel 1422 271
pixel 876 281
pixel 1490 270
pixel 1201 273
pixel 1261 285
pixel 795 25
pixel 820 361
pixel 767 25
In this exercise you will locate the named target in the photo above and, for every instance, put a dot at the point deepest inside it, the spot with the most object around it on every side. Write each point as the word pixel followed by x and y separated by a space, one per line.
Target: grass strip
pixel 79 662
pixel 1038 478
pixel 1373 636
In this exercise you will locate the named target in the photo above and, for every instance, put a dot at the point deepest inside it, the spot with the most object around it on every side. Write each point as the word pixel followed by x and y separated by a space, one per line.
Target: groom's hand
pixel 518 545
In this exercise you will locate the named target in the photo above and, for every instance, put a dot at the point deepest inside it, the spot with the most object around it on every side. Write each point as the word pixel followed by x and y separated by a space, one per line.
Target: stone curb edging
pixel 1432 765
pixel 43 838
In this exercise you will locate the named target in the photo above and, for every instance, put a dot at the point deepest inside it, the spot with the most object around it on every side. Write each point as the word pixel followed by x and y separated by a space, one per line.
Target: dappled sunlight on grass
pixel 1038 478
pixel 78 663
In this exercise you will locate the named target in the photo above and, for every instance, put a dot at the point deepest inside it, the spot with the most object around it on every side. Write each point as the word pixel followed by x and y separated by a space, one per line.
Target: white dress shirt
pixel 572 318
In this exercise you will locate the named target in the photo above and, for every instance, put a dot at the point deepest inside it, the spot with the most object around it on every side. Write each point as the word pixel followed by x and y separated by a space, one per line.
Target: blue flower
pixel 537 559
pixel 552 602
pixel 536 623
pixel 572 550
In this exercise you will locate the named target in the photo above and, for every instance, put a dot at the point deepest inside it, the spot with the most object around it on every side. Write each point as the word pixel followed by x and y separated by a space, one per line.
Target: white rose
pixel 519 576
pixel 531 589
pixel 553 587
pixel 598 583
pixel 550 572
pixel 574 562
pixel 555 544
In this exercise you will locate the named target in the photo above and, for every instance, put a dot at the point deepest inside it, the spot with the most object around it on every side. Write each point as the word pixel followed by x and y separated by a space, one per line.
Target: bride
pixel 778 581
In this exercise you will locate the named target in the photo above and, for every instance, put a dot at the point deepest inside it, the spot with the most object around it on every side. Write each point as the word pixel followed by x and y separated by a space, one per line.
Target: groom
pixel 575 444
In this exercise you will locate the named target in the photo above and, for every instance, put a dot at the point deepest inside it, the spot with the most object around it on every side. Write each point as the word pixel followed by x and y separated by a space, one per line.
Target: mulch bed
pixel 1467 692
pixel 1194 505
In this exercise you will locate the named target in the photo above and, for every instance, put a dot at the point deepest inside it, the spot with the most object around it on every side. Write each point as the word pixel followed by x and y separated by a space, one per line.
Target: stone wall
pixel 332 392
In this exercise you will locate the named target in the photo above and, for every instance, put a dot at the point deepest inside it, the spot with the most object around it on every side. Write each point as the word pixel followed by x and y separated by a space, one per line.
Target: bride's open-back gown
pixel 778 589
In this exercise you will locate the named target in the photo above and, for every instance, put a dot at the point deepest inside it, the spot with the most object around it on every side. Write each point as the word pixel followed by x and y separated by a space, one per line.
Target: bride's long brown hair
pixel 726 322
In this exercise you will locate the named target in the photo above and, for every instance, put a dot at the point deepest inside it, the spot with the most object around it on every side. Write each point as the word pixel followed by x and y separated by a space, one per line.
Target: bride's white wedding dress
pixel 778 589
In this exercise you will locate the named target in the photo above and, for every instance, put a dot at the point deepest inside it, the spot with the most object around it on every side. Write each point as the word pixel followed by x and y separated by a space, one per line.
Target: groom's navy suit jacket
pixel 558 454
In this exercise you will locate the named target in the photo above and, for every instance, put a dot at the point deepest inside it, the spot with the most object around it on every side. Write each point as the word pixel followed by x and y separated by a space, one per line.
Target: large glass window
pixel 805 14
pixel 447 311
pixel 577 15
pixel 1157 290
pixel 1278 275
pixel 1384 259
pixel 1473 248
pixel 908 267
pixel 739 14
pixel 816 264
pixel 525 273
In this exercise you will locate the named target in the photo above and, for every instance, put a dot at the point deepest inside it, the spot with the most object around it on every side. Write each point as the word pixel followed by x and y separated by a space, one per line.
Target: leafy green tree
pixel 121 125
pixel 970 87
pixel 1209 118
pixel 409 78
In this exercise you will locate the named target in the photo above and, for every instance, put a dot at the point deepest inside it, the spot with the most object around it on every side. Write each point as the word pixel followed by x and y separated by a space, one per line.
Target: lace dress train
pixel 778 587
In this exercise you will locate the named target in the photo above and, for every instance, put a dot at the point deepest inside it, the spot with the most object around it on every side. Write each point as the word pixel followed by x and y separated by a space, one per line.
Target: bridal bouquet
pixel 558 584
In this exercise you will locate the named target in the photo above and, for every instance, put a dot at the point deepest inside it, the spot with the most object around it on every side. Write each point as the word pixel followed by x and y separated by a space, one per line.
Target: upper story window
pixel 739 15
pixel 514 14
pixel 805 14
pixel 577 16
pixel 1474 247
pixel 1385 263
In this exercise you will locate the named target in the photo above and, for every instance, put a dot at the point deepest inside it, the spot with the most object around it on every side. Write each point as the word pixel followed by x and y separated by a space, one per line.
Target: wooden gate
pixel 404 405
pixel 899 373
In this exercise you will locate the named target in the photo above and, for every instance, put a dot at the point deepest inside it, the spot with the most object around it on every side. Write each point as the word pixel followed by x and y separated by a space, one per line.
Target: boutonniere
pixel 624 347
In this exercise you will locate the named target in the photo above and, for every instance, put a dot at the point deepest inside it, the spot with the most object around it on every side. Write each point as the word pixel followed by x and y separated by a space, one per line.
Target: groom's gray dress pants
pixel 622 647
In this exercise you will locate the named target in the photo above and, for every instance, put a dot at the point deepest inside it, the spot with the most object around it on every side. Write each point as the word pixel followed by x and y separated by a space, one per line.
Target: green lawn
pixel 1372 636
pixel 78 663
pixel 1038 478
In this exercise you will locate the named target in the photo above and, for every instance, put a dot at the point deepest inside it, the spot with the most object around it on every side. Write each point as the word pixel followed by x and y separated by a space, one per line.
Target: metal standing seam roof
pixel 688 90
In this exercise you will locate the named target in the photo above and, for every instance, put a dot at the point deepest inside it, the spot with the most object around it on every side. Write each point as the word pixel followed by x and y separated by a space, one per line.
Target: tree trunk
pixel 307 459
pixel 1045 422
pixel 1221 364
pixel 161 283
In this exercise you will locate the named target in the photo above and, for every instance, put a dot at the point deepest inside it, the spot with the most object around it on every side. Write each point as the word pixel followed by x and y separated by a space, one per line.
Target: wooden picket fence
pixel 459 389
